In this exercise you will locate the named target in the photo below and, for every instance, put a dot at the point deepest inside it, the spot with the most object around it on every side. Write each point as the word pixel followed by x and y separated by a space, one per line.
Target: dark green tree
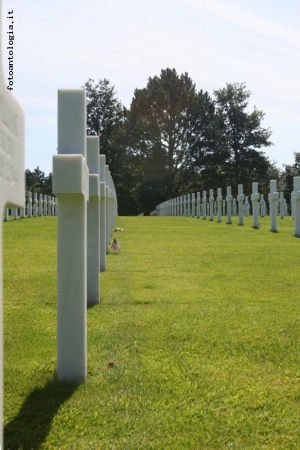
pixel 104 113
pixel 208 152
pixel 107 118
pixel 36 181
pixel 242 135
pixel 160 118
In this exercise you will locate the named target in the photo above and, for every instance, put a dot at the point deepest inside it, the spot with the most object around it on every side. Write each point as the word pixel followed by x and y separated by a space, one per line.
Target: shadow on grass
pixel 92 305
pixel 30 428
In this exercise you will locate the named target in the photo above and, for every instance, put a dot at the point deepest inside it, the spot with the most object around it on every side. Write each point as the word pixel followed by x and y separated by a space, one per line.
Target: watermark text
pixel 10 48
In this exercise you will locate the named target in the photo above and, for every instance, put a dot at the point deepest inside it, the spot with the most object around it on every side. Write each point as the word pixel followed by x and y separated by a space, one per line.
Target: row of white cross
pixel 192 206
pixel 87 207
pixel 197 206
pixel 45 205
pixel 86 212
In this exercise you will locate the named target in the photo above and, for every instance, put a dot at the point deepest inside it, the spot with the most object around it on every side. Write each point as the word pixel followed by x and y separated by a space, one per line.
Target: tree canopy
pixel 38 182
pixel 242 134
pixel 174 139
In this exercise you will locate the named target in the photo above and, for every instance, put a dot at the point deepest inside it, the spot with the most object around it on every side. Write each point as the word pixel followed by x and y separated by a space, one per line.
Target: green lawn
pixel 202 320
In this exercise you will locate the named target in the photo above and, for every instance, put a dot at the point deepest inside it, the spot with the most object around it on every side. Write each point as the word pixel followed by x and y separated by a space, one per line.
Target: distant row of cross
pixel 39 205
pixel 192 205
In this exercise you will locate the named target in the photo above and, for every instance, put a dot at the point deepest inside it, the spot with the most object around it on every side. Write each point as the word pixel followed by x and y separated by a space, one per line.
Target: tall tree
pixel 160 123
pixel 208 153
pixel 242 134
pixel 104 112
pixel 36 181
pixel 107 118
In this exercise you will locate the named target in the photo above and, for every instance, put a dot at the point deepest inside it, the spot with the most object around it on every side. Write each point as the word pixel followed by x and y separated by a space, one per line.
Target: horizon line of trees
pixel 174 139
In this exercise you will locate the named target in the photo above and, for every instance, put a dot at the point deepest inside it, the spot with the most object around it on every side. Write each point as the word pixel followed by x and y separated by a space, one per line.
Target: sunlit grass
pixel 200 318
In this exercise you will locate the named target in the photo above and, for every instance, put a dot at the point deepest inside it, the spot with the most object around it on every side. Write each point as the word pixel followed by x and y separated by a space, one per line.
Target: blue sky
pixel 61 44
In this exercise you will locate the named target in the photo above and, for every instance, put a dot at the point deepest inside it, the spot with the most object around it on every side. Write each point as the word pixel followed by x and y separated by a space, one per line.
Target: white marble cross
pixel 204 203
pixel 211 204
pixel 35 211
pixel 219 200
pixel 273 200
pixel 188 204
pixel 12 181
pixel 193 205
pixel 29 205
pixel 255 206
pixel 107 208
pixel 240 199
pixel 247 207
pixel 262 205
pixel 281 205
pixel 41 202
pixel 198 205
pixel 229 204
pixel 296 205
pixel 45 205
pixel 71 186
pixel 93 221
pixel 102 225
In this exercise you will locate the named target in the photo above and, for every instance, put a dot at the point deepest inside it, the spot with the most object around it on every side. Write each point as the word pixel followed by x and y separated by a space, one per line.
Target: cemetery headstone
pixel 49 206
pixel 282 205
pixel 45 205
pixel 181 206
pixel 293 204
pixel 219 200
pixel 204 203
pixel 41 205
pixel 296 206
pixel 188 205
pixel 198 205
pixel 56 207
pixel 273 200
pixel 107 207
pixel 29 205
pixel 177 206
pixel 193 205
pixel 247 207
pixel 234 207
pixel 93 221
pixel 240 199
pixel 286 212
pixel 184 205
pixel 103 243
pixel 12 181
pixel 255 206
pixel 229 204
pixel 71 186
pixel 35 210
pixel 211 204
pixel 22 211
pixel 262 205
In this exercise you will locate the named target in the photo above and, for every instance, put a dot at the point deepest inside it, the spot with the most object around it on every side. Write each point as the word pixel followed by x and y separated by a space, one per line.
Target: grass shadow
pixel 93 305
pixel 30 427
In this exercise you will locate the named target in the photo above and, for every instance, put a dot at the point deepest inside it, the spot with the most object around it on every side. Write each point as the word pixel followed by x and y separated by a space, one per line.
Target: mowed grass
pixel 201 319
